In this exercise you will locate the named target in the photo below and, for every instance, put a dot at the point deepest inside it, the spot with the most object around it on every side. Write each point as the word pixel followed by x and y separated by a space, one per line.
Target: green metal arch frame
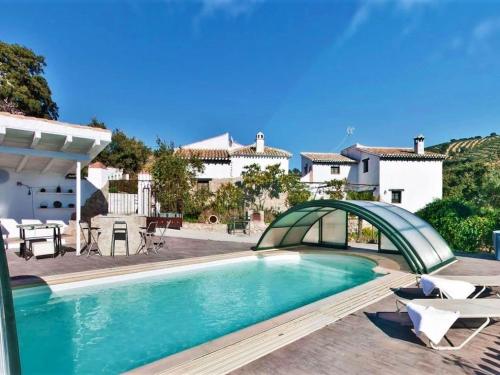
pixel 406 249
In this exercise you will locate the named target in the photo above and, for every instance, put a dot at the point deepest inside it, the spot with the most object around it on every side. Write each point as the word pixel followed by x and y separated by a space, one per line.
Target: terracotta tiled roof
pixel 268 151
pixel 324 157
pixel 400 153
pixel 97 164
pixel 204 154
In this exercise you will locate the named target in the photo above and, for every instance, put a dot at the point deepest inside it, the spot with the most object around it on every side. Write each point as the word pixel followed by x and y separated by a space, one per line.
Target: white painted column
pixel 78 205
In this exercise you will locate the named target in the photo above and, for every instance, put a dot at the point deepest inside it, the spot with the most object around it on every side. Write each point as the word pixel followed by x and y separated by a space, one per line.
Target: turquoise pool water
pixel 115 327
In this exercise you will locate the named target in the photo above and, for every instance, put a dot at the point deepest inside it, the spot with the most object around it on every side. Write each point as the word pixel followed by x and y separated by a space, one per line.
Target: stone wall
pixel 97 204
pixel 220 228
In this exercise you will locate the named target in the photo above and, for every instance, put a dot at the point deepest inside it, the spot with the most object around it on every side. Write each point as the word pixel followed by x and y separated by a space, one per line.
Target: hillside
pixel 481 149
pixel 471 169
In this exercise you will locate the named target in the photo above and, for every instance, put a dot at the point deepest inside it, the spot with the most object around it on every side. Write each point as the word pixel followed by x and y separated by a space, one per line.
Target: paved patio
pixel 177 248
pixel 376 340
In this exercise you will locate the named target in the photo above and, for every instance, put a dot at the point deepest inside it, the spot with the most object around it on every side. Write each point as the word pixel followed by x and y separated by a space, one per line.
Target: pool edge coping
pixel 172 362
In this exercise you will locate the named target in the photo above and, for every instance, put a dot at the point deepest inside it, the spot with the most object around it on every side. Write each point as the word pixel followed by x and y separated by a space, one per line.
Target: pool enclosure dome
pixel 325 223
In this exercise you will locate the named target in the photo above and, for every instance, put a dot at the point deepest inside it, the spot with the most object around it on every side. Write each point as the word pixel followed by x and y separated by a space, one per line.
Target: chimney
pixel 259 142
pixel 418 144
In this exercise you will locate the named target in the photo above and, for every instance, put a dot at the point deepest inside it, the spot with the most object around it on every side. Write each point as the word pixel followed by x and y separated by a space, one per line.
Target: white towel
pixel 454 289
pixel 432 322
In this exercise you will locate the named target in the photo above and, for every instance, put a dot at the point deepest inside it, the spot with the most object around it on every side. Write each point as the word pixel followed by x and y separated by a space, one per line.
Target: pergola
pixel 325 223
pixel 29 144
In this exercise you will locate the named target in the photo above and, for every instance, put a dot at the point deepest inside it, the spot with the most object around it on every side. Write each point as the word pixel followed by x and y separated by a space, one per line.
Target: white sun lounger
pixel 484 308
pixel 491 281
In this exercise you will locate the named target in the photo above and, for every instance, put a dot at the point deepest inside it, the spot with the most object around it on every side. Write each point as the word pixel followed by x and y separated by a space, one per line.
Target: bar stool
pixel 119 233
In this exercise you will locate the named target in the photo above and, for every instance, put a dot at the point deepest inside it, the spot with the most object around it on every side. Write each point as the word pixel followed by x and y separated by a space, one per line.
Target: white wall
pixel 100 176
pixel 216 170
pixel 220 142
pixel 421 180
pixel 322 172
pixel 17 204
pixel 239 162
pixel 357 176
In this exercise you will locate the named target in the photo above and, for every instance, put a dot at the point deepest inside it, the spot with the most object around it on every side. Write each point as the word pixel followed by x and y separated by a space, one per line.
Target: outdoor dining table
pixel 26 240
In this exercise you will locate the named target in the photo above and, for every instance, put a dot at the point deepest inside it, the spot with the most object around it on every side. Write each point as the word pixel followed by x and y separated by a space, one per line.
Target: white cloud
pixel 366 8
pixel 408 5
pixel 232 8
pixel 481 36
pixel 476 41
pixel 486 28
pixel 360 17
pixel 229 8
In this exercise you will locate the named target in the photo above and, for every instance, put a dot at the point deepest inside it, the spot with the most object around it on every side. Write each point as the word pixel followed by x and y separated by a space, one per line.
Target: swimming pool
pixel 117 326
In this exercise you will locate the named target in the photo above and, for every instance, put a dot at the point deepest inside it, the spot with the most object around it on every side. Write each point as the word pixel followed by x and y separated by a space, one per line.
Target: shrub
pixel 472 234
pixel 365 195
pixel 369 235
pixel 270 215
pixel 228 202
pixel 464 227
pixel 197 201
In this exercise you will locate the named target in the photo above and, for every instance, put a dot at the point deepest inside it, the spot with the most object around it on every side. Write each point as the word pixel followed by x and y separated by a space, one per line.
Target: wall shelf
pixel 56 208
pixel 54 193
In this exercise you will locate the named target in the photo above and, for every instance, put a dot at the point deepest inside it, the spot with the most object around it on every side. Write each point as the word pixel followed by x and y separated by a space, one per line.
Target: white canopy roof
pixel 40 145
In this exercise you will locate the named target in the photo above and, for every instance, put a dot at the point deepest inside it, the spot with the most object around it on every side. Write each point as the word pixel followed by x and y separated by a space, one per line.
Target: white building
pixel 225 159
pixel 40 168
pixel 408 177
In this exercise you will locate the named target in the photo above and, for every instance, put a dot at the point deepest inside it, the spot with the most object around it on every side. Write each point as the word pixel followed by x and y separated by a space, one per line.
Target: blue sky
pixel 300 71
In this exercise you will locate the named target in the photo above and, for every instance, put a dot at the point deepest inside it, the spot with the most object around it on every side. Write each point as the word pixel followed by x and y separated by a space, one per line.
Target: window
pixel 396 196
pixel 335 169
pixel 306 168
pixel 203 184
pixel 365 165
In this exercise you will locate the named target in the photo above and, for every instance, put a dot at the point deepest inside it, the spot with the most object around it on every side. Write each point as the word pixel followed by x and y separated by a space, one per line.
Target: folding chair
pixel 161 241
pixel 92 244
pixel 147 236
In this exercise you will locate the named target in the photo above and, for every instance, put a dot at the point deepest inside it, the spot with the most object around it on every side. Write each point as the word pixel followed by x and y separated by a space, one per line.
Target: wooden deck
pixel 376 340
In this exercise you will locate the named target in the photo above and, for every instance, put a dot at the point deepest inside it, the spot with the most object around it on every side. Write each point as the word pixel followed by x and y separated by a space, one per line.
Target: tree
pixel 198 200
pixel 260 185
pixel 23 89
pixel 95 123
pixel 463 180
pixel 228 201
pixel 129 154
pixel 174 176
pixel 295 190
pixel 335 189
pixel 490 188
